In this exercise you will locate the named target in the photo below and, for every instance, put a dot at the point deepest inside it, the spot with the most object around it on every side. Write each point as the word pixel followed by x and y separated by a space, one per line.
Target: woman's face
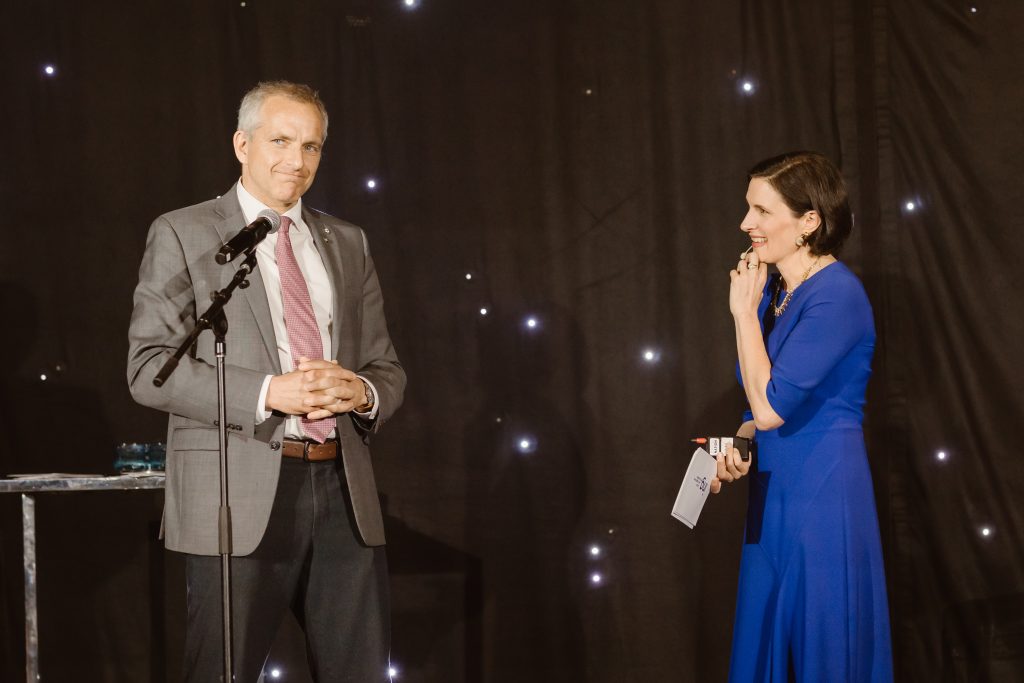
pixel 771 225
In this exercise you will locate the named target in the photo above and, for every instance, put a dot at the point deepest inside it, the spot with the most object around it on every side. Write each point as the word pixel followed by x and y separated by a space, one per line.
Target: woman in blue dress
pixel 812 601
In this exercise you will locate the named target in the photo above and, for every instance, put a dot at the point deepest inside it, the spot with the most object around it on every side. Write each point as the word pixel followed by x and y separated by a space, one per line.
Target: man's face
pixel 280 157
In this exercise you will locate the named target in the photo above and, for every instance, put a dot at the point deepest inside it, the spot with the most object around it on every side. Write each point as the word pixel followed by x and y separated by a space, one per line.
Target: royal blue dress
pixel 812 602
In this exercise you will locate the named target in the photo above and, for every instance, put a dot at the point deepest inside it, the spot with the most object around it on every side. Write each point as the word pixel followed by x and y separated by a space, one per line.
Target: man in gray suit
pixel 311 374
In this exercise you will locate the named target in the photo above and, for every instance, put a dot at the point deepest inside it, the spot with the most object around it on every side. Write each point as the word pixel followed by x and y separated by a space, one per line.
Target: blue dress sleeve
pixel 831 324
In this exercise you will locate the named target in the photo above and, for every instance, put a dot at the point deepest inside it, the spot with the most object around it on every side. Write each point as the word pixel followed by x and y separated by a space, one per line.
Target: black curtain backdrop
pixel 581 162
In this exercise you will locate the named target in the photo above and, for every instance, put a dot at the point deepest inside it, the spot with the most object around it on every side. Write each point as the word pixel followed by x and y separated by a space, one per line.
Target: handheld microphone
pixel 725 444
pixel 266 222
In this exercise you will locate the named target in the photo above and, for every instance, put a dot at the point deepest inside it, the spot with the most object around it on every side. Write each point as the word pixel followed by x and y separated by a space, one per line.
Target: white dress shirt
pixel 321 295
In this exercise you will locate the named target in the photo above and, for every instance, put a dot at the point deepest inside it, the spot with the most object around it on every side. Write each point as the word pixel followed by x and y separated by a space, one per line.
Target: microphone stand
pixel 215 319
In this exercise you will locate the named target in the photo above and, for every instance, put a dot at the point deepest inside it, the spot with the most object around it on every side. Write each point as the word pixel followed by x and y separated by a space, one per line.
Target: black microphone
pixel 266 222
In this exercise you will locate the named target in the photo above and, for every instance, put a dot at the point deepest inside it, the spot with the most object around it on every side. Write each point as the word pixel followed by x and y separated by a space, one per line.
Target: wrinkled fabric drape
pixel 584 163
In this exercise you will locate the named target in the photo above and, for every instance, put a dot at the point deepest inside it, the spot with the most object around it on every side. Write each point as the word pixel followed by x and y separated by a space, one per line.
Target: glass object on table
pixel 140 457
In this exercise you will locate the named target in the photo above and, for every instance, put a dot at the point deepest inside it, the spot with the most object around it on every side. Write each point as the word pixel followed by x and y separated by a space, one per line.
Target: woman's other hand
pixel 730 468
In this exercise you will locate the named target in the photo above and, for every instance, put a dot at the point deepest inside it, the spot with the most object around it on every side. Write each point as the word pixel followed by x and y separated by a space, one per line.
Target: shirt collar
pixel 251 208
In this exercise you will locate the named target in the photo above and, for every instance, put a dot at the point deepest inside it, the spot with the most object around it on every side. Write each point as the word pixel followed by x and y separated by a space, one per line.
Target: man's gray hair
pixel 249 110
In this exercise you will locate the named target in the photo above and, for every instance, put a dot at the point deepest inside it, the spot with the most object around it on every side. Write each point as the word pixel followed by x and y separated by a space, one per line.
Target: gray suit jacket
pixel 177 274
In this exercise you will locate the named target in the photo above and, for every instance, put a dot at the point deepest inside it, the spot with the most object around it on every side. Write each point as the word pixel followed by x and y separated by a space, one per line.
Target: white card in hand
pixel 695 488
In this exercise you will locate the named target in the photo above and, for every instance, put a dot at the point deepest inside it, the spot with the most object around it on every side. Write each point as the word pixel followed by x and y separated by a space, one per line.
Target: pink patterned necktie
pixel 303 333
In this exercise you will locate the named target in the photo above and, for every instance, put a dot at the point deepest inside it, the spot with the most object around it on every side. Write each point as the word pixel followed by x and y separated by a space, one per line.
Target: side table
pixel 28 487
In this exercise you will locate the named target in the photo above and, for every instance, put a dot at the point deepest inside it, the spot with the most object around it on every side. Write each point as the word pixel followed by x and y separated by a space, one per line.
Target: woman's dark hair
pixel 806 181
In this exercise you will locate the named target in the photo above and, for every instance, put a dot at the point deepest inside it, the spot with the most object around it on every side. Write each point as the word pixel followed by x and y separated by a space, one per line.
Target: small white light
pixel 910 206
pixel 411 3
pixel 42 377
pixel 588 91
pixel 651 356
pixel 49 69
pixel 941 456
pixel 974 10
pixel 392 671
pixel 531 323
pixel 483 311
pixel 469 276
pixel 498 420
pixel 526 444
pixel 595 551
pixel 371 184
pixel 987 531
pixel 596 579
pixel 275 673
pixel 745 85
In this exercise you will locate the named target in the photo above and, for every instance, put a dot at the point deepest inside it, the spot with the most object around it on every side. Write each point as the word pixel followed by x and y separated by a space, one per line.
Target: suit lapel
pixel 256 294
pixel 329 245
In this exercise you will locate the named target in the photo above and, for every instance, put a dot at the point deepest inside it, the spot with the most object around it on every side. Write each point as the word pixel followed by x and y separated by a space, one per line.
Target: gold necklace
pixel 781 308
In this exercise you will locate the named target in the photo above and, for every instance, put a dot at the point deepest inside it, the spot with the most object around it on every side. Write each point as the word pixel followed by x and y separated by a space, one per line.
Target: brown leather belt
pixel 310 451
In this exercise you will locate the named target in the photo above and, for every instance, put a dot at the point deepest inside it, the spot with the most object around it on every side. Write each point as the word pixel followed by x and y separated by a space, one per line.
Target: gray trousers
pixel 311 561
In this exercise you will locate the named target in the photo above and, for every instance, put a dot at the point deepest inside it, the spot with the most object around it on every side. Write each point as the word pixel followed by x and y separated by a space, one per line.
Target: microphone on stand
pixel 266 222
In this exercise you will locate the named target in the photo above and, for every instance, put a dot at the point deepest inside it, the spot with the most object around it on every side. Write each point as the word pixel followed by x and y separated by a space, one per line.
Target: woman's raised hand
pixel 747 284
